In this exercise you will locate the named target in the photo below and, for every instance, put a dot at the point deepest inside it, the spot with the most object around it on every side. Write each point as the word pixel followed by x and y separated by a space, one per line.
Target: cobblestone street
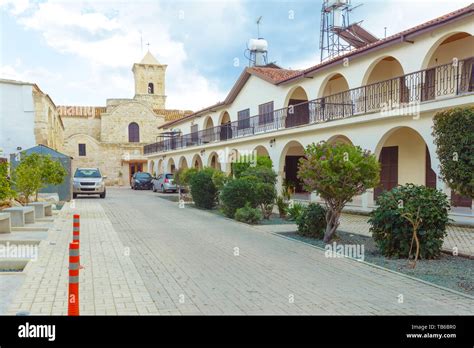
pixel 143 254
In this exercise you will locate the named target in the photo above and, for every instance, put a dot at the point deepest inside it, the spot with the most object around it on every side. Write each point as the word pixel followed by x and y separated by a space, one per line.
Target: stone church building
pixel 112 137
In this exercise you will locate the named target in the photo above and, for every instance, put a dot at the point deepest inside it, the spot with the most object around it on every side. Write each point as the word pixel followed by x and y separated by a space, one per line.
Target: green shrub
pixel 203 190
pixel 312 221
pixel 238 168
pixel 183 176
pixel 295 210
pixel 282 205
pixel 393 233
pixel 261 174
pixel 219 179
pixel 453 132
pixel 236 194
pixel 248 215
pixel 6 191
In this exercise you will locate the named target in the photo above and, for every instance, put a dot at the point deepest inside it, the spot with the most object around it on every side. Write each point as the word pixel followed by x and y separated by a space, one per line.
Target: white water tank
pixel 258 45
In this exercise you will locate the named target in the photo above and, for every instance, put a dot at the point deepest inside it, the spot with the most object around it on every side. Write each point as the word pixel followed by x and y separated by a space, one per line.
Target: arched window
pixel 133 133
pixel 151 88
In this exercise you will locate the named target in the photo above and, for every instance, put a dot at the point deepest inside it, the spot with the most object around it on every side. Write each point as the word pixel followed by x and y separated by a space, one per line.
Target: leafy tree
pixel 6 191
pixel 453 133
pixel 337 172
pixel 35 172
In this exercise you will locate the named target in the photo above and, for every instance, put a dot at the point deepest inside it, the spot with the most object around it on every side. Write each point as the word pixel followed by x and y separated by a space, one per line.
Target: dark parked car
pixel 141 181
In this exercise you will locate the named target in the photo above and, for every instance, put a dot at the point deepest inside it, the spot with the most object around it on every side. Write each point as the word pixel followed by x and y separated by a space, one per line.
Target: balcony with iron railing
pixel 421 86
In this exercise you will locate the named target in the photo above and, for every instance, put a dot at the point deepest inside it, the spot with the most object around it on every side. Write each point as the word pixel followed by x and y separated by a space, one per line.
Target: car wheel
pixel 102 195
pixel 74 195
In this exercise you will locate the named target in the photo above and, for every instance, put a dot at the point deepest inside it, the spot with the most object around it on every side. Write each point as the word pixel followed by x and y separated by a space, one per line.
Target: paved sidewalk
pixel 109 282
pixel 461 238
pixel 144 255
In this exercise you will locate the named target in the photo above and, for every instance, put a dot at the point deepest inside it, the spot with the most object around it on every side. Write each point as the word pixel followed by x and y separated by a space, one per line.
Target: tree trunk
pixel 332 219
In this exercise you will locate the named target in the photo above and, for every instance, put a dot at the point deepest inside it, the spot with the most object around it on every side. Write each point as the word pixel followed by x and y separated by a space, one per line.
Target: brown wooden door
pixel 430 175
pixel 291 172
pixel 300 113
pixel 428 86
pixel 389 169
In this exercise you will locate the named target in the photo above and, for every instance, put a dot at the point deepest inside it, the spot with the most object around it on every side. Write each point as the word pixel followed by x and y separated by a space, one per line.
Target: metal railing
pixel 424 85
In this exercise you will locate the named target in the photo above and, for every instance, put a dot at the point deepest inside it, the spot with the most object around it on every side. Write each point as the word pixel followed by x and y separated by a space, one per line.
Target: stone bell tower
pixel 149 77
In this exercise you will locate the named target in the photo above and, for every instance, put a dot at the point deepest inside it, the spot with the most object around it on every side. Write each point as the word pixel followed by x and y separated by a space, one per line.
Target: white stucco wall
pixel 17 117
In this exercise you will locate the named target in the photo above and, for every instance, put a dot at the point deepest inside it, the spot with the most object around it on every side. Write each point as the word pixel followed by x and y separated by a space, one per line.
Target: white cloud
pixel 107 34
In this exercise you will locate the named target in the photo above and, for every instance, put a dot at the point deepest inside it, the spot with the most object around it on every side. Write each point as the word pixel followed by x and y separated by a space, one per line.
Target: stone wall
pixel 114 124
pixel 48 129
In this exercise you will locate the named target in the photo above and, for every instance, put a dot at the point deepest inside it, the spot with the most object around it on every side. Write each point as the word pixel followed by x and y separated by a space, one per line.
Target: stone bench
pixel 21 215
pixel 5 223
pixel 42 209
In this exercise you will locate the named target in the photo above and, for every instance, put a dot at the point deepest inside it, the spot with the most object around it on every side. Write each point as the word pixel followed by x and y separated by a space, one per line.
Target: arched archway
pixel 289 160
pixel 151 88
pixel 171 167
pixel 214 161
pixel 208 134
pixel 298 108
pixel 197 162
pixel 333 84
pixel 339 138
pixel 183 163
pixel 261 151
pixel 404 158
pixel 160 167
pixel 441 75
pixel 151 168
pixel 385 84
pixel 225 126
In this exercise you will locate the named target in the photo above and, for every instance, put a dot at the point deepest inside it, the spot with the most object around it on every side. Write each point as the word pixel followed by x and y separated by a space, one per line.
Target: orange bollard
pixel 76 228
pixel 73 293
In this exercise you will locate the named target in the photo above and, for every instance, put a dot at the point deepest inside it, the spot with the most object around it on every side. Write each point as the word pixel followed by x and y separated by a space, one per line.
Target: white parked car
pixel 88 181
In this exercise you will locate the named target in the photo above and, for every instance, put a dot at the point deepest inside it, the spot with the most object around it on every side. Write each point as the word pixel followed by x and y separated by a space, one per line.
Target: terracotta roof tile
pixel 172 114
pixel 273 75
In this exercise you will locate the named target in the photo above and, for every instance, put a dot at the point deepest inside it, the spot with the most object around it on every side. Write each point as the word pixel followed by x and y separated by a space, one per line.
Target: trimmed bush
pixel 236 194
pixel 393 233
pixel 203 190
pixel 453 132
pixel 312 221
pixel 248 215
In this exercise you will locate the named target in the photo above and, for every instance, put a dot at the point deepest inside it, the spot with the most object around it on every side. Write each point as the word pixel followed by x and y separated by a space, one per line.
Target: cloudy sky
pixel 81 52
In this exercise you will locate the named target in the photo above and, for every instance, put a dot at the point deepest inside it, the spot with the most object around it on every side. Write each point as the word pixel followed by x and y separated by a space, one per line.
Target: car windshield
pixel 169 176
pixel 143 176
pixel 87 173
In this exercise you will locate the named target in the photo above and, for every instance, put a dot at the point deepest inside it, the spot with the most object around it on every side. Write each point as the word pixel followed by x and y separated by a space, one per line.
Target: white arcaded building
pixel 382 97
